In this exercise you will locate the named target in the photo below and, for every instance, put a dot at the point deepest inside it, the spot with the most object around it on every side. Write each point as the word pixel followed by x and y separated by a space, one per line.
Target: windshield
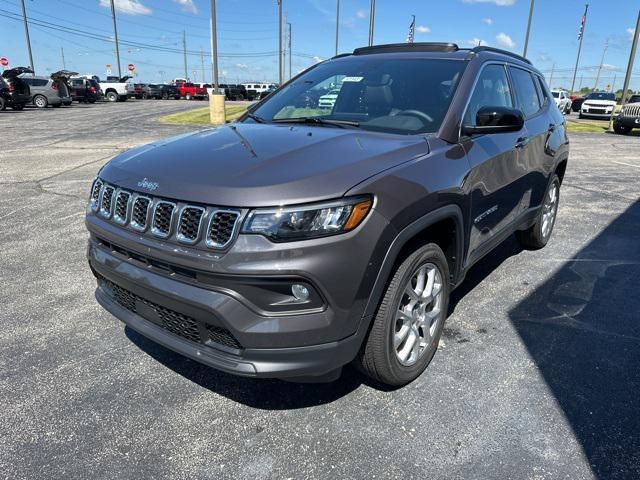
pixel 601 96
pixel 396 95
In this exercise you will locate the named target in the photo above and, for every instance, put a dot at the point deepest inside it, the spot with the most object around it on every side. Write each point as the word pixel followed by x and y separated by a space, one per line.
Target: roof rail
pixel 408 47
pixel 340 55
pixel 483 48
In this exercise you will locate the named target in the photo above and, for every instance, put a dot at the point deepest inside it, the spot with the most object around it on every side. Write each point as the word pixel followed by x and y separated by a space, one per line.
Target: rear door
pixel 495 180
pixel 536 153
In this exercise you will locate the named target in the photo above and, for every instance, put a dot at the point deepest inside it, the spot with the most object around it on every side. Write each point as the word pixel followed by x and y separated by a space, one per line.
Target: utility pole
pixel 290 55
pixel 115 34
pixel 553 67
pixel 337 23
pixel 280 63
pixel 184 49
pixel 580 85
pixel 64 64
pixel 606 45
pixel 583 25
pixel 632 56
pixel 284 48
pixel 526 38
pixel 26 32
pixel 202 64
pixel 613 83
pixel 214 47
pixel 372 15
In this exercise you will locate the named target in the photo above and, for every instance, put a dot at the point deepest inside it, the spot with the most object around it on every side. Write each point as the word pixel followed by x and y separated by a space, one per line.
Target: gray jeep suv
pixel 302 238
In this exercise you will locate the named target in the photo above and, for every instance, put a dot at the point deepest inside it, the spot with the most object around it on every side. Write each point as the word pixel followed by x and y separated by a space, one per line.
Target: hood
pixel 606 103
pixel 14 72
pixel 254 165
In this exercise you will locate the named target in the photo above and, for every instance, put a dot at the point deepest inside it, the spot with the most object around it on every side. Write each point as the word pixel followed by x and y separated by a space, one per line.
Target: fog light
pixel 300 292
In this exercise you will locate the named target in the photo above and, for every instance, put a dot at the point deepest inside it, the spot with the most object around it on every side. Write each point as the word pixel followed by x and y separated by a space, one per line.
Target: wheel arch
pixel 443 226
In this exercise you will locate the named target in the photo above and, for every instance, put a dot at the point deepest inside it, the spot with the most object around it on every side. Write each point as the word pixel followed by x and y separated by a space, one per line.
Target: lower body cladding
pixel 243 324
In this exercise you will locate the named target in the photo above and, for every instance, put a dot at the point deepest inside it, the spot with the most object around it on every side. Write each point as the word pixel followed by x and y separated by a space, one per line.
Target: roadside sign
pixel 4 61
pixel 131 67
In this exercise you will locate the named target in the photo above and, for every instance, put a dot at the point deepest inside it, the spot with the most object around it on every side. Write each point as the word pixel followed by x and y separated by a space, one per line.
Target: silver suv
pixel 52 90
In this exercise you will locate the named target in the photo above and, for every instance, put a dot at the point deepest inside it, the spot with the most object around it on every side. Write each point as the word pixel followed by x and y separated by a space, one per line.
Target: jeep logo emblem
pixel 147 185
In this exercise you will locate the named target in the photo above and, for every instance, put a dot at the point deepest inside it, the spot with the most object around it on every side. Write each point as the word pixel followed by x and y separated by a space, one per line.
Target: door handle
pixel 551 128
pixel 522 142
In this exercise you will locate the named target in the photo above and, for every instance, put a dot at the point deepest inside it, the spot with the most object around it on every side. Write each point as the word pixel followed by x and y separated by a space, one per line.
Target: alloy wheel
pixel 418 314
pixel 549 210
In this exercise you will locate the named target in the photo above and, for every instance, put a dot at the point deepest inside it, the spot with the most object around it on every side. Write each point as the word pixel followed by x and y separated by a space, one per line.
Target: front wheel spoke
pixel 413 295
pixel 401 335
pixel 415 351
pixel 406 349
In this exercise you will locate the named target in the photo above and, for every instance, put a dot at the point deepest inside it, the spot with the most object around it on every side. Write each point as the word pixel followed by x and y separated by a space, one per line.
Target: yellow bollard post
pixel 217 112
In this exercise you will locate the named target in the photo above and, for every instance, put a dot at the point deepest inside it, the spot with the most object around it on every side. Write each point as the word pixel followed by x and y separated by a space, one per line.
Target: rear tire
pixel 18 107
pixel 57 105
pixel 405 332
pixel 40 101
pixel 187 96
pixel 3 104
pixel 539 234
pixel 112 96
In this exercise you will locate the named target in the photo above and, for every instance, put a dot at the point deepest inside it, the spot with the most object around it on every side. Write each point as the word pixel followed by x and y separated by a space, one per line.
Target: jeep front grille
pixel 162 218
pixel 189 224
pixel 221 228
pixel 202 226
pixel 139 213
pixel 632 111
pixel 122 207
pixel 107 200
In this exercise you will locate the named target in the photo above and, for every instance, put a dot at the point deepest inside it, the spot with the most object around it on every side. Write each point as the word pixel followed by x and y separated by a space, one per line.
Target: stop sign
pixel 3 61
pixel 131 67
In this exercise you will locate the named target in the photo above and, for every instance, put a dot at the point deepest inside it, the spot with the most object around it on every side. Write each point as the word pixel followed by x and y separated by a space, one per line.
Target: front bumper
pixel 631 122
pixel 305 343
pixel 595 112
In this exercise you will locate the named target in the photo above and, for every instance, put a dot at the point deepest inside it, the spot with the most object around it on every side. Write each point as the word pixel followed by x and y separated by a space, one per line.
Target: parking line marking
pixel 627 164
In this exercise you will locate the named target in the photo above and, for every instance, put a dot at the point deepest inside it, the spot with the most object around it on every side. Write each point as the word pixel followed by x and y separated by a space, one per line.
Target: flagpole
pixel 412 29
pixel 582 29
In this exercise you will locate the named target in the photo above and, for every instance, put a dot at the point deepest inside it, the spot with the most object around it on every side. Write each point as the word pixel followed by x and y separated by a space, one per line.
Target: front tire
pixel 539 234
pixel 621 130
pixel 406 331
pixel 18 107
pixel 3 104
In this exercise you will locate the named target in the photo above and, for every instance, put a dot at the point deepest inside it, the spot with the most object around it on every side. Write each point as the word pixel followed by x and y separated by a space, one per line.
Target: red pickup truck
pixel 189 90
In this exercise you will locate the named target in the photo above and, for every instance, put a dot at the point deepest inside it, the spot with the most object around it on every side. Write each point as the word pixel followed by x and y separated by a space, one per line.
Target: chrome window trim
pixel 135 225
pixel 210 243
pixel 179 236
pixel 154 230
pixel 116 218
pixel 101 210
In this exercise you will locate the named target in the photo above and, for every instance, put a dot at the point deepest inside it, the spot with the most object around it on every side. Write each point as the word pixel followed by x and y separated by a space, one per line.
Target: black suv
pixel 14 91
pixel 300 239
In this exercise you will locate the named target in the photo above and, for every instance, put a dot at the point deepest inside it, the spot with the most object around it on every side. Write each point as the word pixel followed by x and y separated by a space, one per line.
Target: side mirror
pixel 496 120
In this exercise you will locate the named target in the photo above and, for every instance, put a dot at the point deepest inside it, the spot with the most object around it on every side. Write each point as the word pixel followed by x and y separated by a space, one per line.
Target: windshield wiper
pixel 318 121
pixel 255 117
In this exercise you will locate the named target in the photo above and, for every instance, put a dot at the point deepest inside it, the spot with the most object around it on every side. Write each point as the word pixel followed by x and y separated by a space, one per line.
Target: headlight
pixel 308 221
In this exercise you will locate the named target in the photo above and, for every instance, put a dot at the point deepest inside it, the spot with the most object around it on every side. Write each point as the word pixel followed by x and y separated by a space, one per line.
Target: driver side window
pixel 491 90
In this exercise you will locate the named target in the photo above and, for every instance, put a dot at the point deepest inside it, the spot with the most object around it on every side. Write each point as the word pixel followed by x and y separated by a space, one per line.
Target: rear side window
pixel 526 91
pixel 542 95
pixel 491 90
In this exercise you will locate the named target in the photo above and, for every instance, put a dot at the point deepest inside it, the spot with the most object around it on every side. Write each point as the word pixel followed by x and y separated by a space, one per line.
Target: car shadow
pixel 261 393
pixel 582 329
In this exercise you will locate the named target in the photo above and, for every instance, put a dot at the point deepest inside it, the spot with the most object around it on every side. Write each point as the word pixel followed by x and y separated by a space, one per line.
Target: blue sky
pixel 248 33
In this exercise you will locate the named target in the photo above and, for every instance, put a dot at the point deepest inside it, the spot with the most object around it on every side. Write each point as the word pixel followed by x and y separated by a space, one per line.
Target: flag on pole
pixel 412 30
pixel 583 21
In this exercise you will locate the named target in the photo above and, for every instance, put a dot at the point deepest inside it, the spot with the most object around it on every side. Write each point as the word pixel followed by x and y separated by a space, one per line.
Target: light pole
pixel 583 27
pixel 372 14
pixel 337 23
pixel 280 65
pixel 632 56
pixel 604 52
pixel 526 38
pixel 289 25
pixel 26 32
pixel 217 113
pixel 115 34
pixel 184 49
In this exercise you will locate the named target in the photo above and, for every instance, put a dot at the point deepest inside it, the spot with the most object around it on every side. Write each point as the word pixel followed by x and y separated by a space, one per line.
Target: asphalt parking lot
pixel 537 376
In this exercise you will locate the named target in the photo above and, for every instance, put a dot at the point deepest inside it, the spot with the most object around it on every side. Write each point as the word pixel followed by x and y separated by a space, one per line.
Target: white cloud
pixel 423 29
pixel 487 21
pixel 608 66
pixel 317 59
pixel 631 32
pixel 128 7
pixel 187 6
pixel 505 41
pixel 499 3
pixel 362 14
pixel 474 42
pixel 242 66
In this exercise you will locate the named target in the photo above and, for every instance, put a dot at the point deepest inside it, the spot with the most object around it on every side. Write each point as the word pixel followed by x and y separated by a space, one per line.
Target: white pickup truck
pixel 117 89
